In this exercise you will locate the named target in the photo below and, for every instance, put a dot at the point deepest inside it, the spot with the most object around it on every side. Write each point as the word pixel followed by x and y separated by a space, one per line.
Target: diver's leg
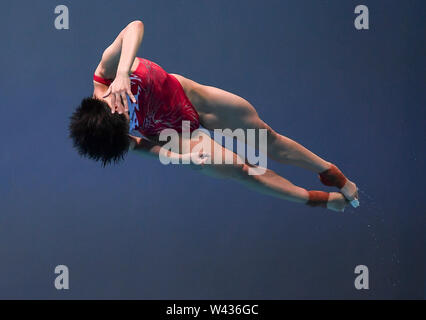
pixel 220 109
pixel 268 182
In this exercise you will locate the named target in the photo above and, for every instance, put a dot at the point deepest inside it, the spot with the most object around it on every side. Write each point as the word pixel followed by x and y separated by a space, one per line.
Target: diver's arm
pixel 132 39
pixel 120 60
pixel 148 148
pixel 120 55
pixel 145 147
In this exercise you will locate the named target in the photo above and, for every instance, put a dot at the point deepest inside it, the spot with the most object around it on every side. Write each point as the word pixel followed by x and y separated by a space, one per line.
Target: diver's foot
pixel 350 190
pixel 337 202
pixel 333 177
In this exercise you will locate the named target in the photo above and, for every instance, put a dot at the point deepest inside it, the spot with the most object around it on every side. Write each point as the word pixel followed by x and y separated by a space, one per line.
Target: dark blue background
pixel 143 230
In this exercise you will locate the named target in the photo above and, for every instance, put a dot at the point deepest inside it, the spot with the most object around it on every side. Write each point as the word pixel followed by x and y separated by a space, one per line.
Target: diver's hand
pixel 198 159
pixel 119 89
pixel 195 159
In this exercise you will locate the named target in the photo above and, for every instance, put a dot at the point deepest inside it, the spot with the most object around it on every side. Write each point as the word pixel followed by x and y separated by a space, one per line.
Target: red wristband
pixel 333 177
pixel 318 198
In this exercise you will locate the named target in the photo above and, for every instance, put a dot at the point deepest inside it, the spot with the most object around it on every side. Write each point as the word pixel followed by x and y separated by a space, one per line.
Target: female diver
pixel 133 95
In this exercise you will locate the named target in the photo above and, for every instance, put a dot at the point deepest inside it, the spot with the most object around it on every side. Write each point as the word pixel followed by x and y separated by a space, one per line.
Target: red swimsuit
pixel 160 100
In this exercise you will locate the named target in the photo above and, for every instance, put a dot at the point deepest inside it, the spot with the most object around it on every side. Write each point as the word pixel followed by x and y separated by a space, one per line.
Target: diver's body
pixel 119 75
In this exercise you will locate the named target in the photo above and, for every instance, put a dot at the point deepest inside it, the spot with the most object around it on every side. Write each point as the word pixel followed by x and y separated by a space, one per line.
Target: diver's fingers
pixel 119 103
pixel 131 96
pixel 113 103
pixel 124 98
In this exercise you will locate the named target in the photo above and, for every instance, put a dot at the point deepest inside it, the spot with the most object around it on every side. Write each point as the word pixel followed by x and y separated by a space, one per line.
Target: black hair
pixel 99 134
